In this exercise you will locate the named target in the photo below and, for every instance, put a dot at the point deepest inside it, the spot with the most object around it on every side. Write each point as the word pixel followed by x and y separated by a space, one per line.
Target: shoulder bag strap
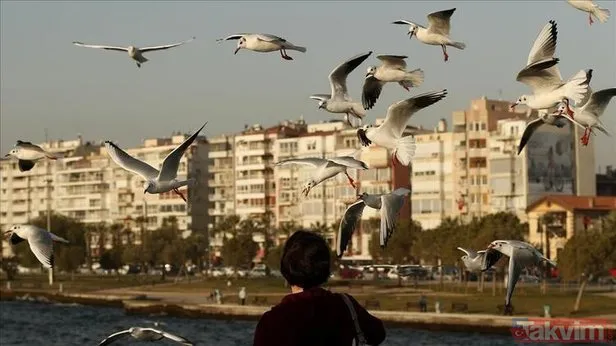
pixel 359 337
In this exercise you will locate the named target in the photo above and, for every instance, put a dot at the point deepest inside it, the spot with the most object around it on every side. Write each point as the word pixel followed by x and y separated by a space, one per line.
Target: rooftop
pixel 573 203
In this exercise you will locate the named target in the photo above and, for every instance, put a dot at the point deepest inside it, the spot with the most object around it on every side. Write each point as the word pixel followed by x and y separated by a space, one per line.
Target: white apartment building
pixel 87 185
pixel 474 169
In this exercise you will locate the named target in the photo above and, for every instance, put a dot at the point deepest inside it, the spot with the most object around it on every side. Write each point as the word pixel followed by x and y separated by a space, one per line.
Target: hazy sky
pixel 46 82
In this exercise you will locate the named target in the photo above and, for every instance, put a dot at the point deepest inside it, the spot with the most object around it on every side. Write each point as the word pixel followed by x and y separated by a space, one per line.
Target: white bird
pixel 389 133
pixel 393 69
pixel 389 205
pixel 40 241
pixel 543 76
pixel 602 14
pixel 326 168
pixel 558 119
pixel 134 53
pixel 28 154
pixel 521 255
pixel 472 260
pixel 155 181
pixel 437 32
pixel 145 334
pixel 339 101
pixel 587 116
pixel 264 43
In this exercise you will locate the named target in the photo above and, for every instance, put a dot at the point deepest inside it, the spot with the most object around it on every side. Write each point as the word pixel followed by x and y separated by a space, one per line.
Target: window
pixel 484 198
pixel 311 146
pixel 483 125
pixel 484 179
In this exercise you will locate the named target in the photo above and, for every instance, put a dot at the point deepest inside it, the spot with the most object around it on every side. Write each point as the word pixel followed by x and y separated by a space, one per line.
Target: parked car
pixel 350 273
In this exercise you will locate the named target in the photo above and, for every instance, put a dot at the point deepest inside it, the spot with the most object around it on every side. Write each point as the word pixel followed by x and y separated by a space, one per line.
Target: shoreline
pixel 143 305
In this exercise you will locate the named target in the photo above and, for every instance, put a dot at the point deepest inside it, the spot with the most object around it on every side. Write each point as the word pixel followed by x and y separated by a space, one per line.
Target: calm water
pixel 30 323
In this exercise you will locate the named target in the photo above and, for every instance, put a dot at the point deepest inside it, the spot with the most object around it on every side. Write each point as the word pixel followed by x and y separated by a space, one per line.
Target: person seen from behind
pixel 311 315
pixel 242 296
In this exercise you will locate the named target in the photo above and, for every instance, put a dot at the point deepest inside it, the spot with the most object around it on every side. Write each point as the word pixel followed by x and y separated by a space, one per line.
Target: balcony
pixel 216 183
pixel 219 197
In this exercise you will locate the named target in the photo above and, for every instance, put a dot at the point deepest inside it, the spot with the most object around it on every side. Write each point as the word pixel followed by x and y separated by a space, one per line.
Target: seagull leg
pixel 180 194
pixel 351 181
pixel 139 64
pixel 590 21
pixel 393 159
pixel 283 54
pixel 508 311
pixel 445 52
pixel 348 119
pixel 569 110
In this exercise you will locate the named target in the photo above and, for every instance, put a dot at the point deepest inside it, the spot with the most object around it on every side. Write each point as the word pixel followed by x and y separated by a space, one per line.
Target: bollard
pixel 437 307
pixel 547 311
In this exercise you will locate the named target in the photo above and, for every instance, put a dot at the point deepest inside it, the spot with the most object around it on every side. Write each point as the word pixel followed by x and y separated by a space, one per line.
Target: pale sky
pixel 46 82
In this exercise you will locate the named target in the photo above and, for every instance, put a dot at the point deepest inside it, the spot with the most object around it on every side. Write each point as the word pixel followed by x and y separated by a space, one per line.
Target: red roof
pixel 578 202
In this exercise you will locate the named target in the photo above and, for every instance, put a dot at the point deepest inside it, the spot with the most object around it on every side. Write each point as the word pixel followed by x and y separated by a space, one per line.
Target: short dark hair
pixel 306 260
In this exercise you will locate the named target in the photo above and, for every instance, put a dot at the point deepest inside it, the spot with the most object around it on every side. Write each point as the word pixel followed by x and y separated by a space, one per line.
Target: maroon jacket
pixel 315 317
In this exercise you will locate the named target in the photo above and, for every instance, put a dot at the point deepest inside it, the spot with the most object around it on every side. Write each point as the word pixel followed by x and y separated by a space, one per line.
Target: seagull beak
pixel 144 191
pixel 236 50
pixel 7 155
pixel 512 107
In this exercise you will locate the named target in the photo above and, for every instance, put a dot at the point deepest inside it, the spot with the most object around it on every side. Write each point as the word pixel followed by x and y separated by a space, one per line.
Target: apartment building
pixel 474 169
pixel 87 185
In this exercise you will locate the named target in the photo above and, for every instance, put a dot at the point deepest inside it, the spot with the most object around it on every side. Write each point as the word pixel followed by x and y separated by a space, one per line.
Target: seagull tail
pixel 298 48
pixel 413 78
pixel 405 150
pixel 577 86
pixel 459 45
pixel 602 14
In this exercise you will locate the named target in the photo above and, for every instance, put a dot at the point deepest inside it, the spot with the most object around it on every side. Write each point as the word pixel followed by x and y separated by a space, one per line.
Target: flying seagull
pixel 521 255
pixel 587 116
pixel 437 32
pixel 543 76
pixel 339 101
pixel 145 334
pixel 324 169
pixel 28 154
pixel 472 260
pixel 134 53
pixel 602 14
pixel 155 181
pixel 40 241
pixel 389 133
pixel 264 43
pixel 389 204
pixel 392 69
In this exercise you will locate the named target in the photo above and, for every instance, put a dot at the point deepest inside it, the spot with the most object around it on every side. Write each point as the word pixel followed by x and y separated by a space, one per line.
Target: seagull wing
pixel 468 252
pixel 321 97
pixel 545 44
pixel 119 49
pixel 169 170
pixel 395 62
pixel 540 71
pixel 528 132
pixel 349 162
pixel 167 46
pixel 270 38
pixel 440 22
pixel 347 225
pixel 41 244
pixel 113 337
pixel 404 22
pixel 338 77
pixel 401 191
pixel 309 161
pixel 399 113
pixel 130 163
pixel 232 37
pixel 371 91
pixel 390 207
pixel 599 101
pixel 176 338
pixel 57 238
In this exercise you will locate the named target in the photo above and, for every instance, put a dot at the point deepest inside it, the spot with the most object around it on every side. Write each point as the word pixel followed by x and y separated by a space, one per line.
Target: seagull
pixel 472 260
pixel 145 334
pixel 520 255
pixel 389 204
pixel 543 76
pixel 264 43
pixel 339 101
pixel 134 53
pixel 155 181
pixel 27 154
pixel 389 133
pixel 602 14
pixel 437 32
pixel 326 168
pixel 587 116
pixel 393 69
pixel 558 119
pixel 40 241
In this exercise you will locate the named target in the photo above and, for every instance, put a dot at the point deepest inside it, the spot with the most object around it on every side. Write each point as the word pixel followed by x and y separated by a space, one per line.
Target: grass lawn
pixel 527 300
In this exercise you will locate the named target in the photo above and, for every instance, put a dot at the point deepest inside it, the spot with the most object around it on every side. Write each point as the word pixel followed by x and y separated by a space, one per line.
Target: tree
pixel 273 257
pixel 588 254
pixel 111 259
pixel 239 251
pixel 67 257
pixel 398 249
